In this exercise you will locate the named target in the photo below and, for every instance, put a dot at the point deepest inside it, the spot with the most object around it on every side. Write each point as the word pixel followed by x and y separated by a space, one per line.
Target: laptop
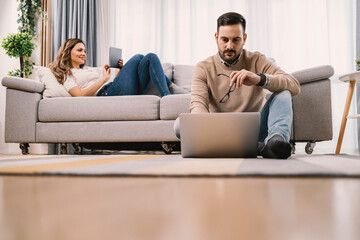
pixel 219 135
pixel 114 55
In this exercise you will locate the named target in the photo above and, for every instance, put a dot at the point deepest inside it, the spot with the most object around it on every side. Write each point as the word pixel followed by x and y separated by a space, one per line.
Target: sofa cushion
pixel 52 87
pixel 116 108
pixel 172 105
pixel 183 75
pixel 168 70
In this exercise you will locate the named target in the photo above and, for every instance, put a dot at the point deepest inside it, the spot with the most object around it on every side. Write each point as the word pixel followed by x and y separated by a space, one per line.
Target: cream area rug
pixel 175 166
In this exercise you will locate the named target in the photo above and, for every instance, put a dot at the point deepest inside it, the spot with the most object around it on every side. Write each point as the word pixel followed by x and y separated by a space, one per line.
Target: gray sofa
pixel 143 122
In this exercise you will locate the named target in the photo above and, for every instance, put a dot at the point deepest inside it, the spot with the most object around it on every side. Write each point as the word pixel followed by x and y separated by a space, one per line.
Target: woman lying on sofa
pixel 133 78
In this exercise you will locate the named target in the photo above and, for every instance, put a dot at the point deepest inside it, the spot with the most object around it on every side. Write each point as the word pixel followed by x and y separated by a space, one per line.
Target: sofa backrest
pixel 183 75
pixel 179 74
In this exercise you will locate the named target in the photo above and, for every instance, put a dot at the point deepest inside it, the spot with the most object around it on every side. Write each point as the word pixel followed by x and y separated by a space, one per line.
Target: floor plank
pixel 178 208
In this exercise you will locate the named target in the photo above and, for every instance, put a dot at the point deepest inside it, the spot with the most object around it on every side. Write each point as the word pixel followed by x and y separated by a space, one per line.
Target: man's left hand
pixel 244 77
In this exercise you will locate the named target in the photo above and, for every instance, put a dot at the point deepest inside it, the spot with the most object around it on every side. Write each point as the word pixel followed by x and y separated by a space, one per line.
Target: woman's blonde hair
pixel 62 65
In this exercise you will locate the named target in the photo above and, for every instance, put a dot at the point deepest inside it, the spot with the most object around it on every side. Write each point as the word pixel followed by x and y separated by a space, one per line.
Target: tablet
pixel 114 55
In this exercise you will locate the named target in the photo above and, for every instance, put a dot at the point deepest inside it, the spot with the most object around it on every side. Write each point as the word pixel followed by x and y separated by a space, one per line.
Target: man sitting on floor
pixel 234 80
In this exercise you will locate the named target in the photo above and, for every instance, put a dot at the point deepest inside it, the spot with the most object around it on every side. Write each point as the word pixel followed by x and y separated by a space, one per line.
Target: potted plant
pixel 19 45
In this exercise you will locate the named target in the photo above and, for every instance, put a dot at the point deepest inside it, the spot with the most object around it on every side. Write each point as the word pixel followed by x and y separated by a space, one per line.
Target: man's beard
pixel 229 60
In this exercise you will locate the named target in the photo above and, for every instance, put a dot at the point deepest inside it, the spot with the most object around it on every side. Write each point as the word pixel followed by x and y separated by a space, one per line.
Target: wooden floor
pixel 179 208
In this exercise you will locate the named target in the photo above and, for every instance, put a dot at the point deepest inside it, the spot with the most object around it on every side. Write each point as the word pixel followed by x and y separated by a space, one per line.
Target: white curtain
pixel 297 33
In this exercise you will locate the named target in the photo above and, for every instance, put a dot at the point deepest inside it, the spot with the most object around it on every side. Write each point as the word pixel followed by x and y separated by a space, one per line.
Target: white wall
pixel 8 16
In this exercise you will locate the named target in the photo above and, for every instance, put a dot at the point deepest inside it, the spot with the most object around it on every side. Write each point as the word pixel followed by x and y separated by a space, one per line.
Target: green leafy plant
pixel 357 64
pixel 19 45
pixel 27 15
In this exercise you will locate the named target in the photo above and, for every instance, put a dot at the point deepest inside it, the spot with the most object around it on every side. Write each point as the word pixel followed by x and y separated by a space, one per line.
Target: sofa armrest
pixel 23 84
pixel 21 116
pixel 312 119
pixel 314 74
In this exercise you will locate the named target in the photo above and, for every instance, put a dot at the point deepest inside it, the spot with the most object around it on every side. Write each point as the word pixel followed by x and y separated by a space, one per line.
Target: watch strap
pixel 262 79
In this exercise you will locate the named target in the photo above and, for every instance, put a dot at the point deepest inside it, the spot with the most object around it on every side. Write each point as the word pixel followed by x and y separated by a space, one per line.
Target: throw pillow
pixel 183 75
pixel 168 70
pixel 52 87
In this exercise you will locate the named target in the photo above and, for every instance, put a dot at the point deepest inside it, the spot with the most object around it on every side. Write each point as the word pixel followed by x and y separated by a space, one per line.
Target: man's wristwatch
pixel 262 80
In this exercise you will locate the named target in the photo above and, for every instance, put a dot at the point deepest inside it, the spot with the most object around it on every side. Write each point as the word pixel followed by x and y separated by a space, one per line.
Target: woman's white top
pixel 83 78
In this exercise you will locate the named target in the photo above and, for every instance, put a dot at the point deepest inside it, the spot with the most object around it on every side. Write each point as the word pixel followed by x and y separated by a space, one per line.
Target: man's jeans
pixel 276 117
pixel 134 78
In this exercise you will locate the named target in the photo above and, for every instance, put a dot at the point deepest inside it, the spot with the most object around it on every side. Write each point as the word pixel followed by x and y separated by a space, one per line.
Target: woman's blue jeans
pixel 135 77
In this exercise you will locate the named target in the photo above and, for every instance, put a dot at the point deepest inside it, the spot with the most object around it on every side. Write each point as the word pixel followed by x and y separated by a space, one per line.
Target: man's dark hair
pixel 231 18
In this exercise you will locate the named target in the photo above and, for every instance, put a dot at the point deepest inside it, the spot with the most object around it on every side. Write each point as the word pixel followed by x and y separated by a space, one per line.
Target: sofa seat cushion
pixel 118 108
pixel 172 105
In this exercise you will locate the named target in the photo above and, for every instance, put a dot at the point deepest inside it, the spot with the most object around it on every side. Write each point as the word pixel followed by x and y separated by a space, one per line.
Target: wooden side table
pixel 352 78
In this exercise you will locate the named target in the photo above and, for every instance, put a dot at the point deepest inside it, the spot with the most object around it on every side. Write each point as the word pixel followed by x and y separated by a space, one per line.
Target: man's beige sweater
pixel 208 88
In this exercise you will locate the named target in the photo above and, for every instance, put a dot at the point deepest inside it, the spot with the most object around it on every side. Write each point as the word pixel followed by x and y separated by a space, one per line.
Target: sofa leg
pixel 77 148
pixel 63 148
pixel 24 148
pixel 167 147
pixel 309 148
pixel 293 148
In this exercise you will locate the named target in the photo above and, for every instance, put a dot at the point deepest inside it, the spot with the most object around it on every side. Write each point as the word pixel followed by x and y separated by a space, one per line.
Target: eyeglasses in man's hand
pixel 231 89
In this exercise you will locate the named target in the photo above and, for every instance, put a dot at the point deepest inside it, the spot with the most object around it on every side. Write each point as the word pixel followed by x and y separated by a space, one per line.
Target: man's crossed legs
pixel 275 126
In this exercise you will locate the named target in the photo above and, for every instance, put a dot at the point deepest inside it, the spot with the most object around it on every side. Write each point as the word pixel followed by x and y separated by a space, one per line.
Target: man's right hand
pixel 244 77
